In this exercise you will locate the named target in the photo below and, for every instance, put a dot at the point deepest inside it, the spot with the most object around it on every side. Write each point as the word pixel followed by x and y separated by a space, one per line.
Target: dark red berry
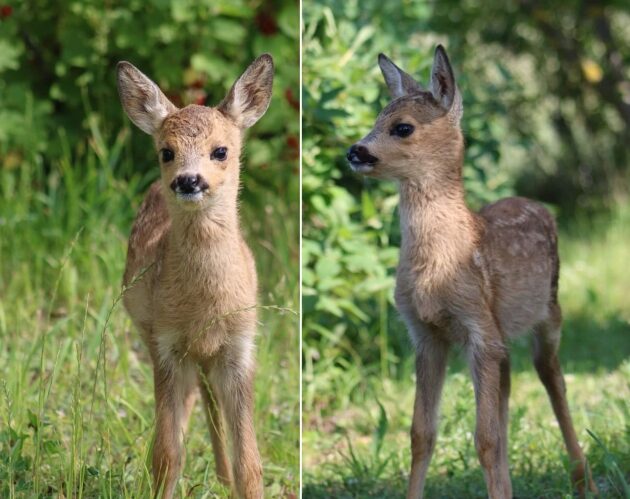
pixel 293 102
pixel 6 11
pixel 266 23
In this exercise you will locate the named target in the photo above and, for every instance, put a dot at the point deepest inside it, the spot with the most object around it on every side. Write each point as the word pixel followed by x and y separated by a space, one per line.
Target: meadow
pixel 357 421
pixel 76 391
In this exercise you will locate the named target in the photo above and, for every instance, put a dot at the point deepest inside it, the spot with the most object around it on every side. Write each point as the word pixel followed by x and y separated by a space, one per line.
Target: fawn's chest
pixel 201 298
pixel 437 276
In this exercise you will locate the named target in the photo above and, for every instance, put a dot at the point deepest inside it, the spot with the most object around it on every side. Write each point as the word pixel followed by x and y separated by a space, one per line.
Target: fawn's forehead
pixel 421 106
pixel 194 123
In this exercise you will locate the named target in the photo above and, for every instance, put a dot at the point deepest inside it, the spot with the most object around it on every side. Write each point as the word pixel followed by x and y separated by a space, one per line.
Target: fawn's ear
pixel 142 100
pixel 249 97
pixel 443 86
pixel 398 82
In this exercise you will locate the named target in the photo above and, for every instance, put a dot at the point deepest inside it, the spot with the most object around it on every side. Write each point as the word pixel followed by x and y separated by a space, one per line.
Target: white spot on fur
pixel 245 346
pixel 166 342
pixel 475 337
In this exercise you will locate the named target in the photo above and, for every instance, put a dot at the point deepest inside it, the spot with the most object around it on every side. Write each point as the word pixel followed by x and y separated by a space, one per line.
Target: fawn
pixel 475 279
pixel 190 280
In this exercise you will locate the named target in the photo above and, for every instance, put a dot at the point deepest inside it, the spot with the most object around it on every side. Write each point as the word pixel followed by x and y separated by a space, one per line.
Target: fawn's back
pixel 518 258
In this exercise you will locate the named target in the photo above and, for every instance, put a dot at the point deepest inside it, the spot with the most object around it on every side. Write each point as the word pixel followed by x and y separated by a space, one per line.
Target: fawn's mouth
pixel 190 197
pixel 360 167
pixel 360 159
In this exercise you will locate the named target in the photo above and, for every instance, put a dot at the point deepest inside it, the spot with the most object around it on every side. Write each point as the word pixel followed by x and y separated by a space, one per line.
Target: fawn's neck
pixel 206 237
pixel 439 232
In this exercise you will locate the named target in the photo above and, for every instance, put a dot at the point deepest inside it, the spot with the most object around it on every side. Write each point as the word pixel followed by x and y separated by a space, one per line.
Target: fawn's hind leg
pixel 215 421
pixel 504 420
pixel 545 352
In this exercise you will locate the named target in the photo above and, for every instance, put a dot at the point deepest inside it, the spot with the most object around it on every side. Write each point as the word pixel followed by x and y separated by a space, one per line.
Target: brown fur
pixel 190 277
pixel 475 279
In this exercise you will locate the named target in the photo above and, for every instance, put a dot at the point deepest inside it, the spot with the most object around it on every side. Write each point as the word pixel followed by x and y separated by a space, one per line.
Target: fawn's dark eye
pixel 220 154
pixel 402 130
pixel 167 155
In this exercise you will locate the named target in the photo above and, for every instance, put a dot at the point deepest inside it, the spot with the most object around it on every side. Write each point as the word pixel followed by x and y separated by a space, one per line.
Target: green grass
pixel 356 440
pixel 76 391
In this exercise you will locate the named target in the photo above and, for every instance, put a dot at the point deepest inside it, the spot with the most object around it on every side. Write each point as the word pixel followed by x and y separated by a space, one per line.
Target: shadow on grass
pixel 552 484
pixel 469 485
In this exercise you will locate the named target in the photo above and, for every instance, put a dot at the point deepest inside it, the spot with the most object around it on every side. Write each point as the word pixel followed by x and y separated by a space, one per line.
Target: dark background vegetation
pixel 546 112
pixel 76 409
pixel 57 61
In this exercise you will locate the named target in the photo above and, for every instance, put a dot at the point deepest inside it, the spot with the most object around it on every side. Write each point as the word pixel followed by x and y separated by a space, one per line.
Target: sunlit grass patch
pixel 76 392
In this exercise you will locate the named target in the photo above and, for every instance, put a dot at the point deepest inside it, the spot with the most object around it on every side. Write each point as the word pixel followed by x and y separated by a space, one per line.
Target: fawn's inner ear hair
pixel 249 97
pixel 443 85
pixel 398 82
pixel 142 100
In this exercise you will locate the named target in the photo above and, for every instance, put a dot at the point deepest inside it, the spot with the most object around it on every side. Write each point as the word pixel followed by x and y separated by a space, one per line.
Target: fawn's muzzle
pixel 189 184
pixel 360 158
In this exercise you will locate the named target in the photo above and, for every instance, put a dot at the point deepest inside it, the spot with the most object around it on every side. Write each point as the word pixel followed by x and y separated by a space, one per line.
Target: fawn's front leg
pixel 431 356
pixel 489 362
pixel 175 393
pixel 215 420
pixel 233 377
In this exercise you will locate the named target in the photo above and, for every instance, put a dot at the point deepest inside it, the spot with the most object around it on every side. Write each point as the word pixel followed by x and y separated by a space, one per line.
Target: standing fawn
pixel 190 280
pixel 476 279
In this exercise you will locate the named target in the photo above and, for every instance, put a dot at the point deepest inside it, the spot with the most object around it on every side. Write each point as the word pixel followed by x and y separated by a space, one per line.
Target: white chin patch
pixel 194 197
pixel 362 167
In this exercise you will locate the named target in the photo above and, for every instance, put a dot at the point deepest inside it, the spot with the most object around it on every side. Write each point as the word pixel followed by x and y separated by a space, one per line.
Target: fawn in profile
pixel 475 279
pixel 194 302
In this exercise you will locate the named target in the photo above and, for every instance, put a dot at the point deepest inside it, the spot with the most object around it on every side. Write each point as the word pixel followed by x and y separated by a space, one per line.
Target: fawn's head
pixel 198 147
pixel 417 134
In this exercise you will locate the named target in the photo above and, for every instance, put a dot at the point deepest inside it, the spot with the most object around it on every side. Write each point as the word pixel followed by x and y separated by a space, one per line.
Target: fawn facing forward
pixel 476 279
pixel 190 278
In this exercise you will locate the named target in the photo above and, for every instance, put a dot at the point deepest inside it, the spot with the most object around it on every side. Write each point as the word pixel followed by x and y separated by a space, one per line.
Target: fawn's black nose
pixel 360 154
pixel 189 184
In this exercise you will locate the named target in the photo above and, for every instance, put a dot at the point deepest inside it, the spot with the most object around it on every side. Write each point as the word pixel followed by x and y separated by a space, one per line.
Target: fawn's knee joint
pixel 487 445
pixel 166 460
pixel 422 442
pixel 548 371
pixel 248 480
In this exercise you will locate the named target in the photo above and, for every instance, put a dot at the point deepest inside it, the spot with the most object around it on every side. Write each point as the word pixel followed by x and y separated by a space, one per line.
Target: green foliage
pixel 76 405
pixel 350 225
pixel 57 73
pixel 573 111
pixel 513 145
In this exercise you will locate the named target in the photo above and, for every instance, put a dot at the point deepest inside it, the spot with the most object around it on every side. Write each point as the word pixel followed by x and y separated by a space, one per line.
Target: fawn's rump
pixel 521 257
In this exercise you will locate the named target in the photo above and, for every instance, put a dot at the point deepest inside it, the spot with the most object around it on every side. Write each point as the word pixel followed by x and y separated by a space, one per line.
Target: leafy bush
pixel 350 224
pixel 58 85
pixel 519 122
